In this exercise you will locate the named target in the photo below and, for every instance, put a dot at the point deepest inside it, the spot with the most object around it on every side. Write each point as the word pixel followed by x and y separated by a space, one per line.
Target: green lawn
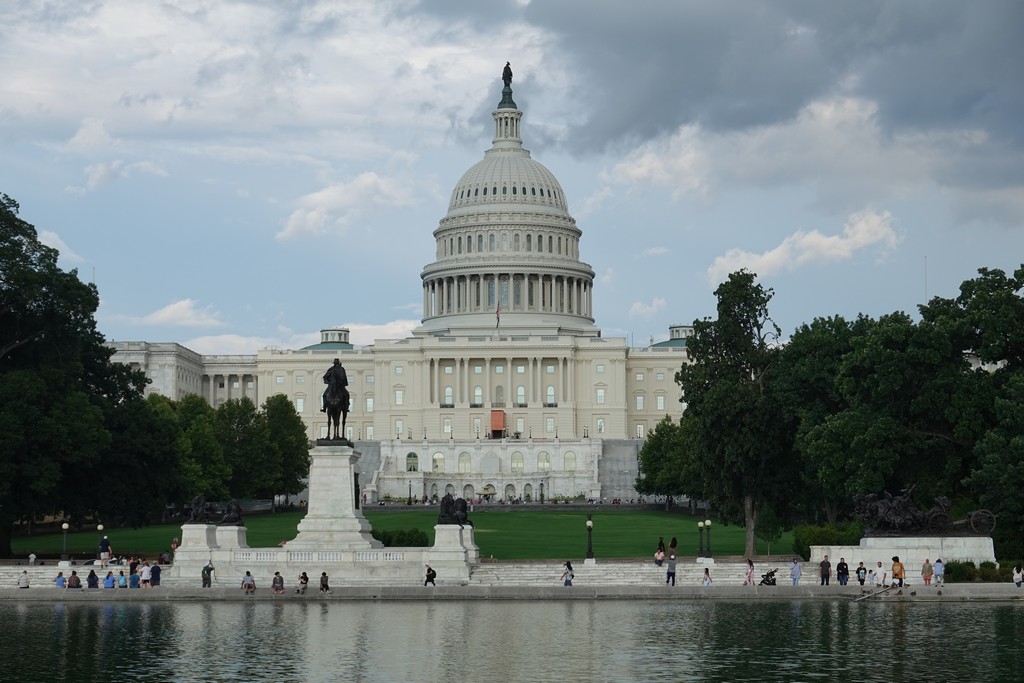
pixel 505 534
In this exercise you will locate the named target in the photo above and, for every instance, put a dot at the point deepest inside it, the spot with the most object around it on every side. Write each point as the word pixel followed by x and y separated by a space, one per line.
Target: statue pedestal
pixel 333 520
pixel 912 551
pixel 231 537
pixel 454 550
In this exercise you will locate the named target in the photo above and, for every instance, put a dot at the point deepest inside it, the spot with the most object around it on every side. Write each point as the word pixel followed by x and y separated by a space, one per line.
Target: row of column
pixel 214 392
pixel 471 294
pixel 462 383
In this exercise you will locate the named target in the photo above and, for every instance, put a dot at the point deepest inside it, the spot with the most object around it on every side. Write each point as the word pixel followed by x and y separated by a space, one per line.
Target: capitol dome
pixel 507 256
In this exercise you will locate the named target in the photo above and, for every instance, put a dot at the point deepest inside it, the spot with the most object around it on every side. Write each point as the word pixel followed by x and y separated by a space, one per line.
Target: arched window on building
pixel 499 395
pixel 515 242
pixel 504 293
pixel 438 462
pixel 478 396
pixel 490 242
pixel 550 395
pixel 517 464
pixel 570 461
pixel 480 242
pixel 465 463
pixel 543 461
pixel 521 395
pixel 529 243
pixel 412 463
pixel 490 293
pixel 448 396
pixel 517 293
pixel 540 242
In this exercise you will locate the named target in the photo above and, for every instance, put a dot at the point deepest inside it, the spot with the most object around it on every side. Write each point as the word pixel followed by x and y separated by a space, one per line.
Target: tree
pixel 287 444
pixel 205 469
pixel 743 438
pixel 57 385
pixel 666 468
pixel 242 433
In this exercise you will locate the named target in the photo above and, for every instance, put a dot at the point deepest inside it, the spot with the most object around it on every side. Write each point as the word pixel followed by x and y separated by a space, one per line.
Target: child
pixel 707 577
pixel 324 583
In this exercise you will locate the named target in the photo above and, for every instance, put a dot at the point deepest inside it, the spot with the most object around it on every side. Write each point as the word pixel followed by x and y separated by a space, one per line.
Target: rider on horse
pixel 336 380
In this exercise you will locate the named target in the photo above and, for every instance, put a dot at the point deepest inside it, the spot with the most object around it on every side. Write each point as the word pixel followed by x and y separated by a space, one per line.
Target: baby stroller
pixel 768 579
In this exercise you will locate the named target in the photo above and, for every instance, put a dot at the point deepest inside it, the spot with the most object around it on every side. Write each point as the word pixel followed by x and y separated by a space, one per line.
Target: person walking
pixel 939 572
pixel 826 571
pixel 431 575
pixel 748 578
pixel 105 551
pixel 862 573
pixel 670 574
pixel 567 575
pixel 661 544
pixel 325 583
pixel 1018 575
pixel 795 571
pixel 706 580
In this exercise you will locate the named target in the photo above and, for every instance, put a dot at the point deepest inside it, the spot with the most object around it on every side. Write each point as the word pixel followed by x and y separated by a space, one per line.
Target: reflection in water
pixel 500 640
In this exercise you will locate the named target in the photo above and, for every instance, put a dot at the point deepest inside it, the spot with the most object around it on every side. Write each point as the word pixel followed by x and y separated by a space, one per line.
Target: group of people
pixel 277 582
pixel 140 575
pixel 878 576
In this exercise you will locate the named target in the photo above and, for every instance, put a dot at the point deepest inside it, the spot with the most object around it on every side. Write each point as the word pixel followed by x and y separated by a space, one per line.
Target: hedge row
pixel 402 538
pixel 807 535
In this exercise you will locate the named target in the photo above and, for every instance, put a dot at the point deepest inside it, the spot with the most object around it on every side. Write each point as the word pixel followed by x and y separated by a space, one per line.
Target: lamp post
pixel 707 525
pixel 590 541
pixel 64 553
pixel 700 532
pixel 99 542
pixel 542 493
pixel 409 501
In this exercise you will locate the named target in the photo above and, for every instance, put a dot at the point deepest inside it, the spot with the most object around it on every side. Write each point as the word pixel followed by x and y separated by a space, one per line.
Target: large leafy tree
pixel 667 467
pixel 58 389
pixel 287 444
pixel 242 433
pixel 204 465
pixel 741 435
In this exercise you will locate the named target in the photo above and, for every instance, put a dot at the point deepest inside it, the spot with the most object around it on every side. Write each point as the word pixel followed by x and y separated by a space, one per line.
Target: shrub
pixel 961 572
pixel 806 535
pixel 402 538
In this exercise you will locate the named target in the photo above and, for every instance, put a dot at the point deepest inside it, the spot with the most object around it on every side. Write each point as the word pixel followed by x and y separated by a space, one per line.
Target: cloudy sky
pixel 237 174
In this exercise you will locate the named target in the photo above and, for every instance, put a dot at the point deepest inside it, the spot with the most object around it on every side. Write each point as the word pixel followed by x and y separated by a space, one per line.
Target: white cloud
pixel 183 313
pixel 334 206
pixel 678 162
pixel 92 134
pixel 654 251
pixel 641 310
pixel 362 334
pixel 52 239
pixel 97 175
pixel 607 277
pixel 863 229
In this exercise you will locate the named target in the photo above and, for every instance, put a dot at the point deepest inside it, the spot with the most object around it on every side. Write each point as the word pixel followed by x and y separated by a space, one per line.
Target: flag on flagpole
pixel 497 315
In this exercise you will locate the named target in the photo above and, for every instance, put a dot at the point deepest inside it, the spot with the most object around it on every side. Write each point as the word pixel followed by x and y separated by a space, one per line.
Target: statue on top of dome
pixel 506 74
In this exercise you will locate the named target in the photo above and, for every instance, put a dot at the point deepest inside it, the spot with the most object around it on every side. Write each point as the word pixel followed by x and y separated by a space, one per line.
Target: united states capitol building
pixel 507 389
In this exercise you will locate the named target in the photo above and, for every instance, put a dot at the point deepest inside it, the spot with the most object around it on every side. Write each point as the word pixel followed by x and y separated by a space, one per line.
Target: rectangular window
pixel 447 425
pixel 640 402
pixel 399 428
pixel 476 425
pixel 639 377
pixel 369 379
pixel 660 376
pixel 550 425
pixel 520 425
pixel 369 433
pixel 520 369
pixel 478 369
pixel 369 404
pixel 279 379
pixel 299 379
pixel 640 431
pixel 300 405
pixel 234 385
pixel 399 397
pixel 447 369
pixel 600 395
pixel 499 369
pixel 550 369
pixel 154 373
pixel 600 425
pixel 349 432
pixel 660 400
pixel 399 370
pixel 600 369
pixel 250 384
pixel 220 385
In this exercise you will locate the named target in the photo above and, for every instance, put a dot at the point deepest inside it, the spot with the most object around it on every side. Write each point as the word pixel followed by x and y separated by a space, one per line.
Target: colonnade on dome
pixel 508 292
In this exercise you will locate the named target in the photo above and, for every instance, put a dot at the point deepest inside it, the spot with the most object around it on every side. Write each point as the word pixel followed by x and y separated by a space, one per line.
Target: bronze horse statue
pixel 336 401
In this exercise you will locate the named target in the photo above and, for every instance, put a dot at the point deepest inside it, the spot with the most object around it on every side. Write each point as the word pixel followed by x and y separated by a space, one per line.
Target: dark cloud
pixel 644 69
